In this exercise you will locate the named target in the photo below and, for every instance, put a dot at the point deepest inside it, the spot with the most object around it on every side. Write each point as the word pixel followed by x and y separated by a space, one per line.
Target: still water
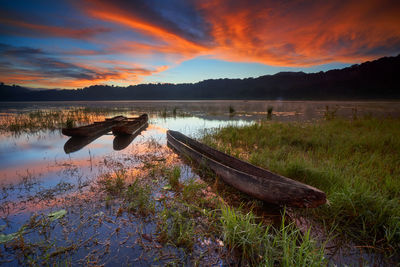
pixel 41 171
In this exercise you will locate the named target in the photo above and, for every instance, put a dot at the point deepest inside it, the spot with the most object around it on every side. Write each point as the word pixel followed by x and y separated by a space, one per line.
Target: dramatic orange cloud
pixel 118 75
pixel 288 33
pixel 299 33
pixel 54 31
pixel 163 41
pixel 152 36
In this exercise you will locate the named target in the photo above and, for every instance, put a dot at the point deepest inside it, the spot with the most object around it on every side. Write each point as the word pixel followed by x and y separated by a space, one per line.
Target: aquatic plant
pixel 266 246
pixel 269 112
pixel 231 110
pixel 176 229
pixel 173 176
pixel 330 114
pixel 139 199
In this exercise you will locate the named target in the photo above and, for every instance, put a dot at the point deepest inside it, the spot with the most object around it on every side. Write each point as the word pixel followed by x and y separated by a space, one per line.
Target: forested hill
pixel 379 79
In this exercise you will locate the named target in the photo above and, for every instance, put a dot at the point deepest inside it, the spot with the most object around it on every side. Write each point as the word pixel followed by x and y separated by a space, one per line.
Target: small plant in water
pixel 175 228
pixel 173 177
pixel 269 112
pixel 330 114
pixel 231 110
pixel 139 198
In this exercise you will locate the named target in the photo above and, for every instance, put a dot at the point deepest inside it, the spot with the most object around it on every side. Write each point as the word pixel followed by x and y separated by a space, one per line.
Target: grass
pixel 113 184
pixel 192 189
pixel 267 246
pixel 173 177
pixel 175 228
pixel 38 120
pixel 356 162
pixel 139 199
pixel 182 221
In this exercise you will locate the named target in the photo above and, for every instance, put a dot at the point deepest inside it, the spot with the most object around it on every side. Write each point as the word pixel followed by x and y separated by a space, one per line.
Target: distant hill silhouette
pixel 379 79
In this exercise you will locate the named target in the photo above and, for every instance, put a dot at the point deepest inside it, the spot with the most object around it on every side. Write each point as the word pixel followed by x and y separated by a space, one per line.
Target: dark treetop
pixel 379 79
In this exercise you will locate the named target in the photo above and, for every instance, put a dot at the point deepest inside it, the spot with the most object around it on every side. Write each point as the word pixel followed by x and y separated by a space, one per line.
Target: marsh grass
pixel 139 199
pixel 175 228
pixel 356 162
pixel 173 176
pixel 192 190
pixel 266 246
pixel 113 183
pixel 49 119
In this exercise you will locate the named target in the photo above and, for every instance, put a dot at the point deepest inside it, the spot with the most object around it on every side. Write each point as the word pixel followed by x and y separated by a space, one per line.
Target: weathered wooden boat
pixel 131 126
pixel 95 128
pixel 122 141
pixel 250 179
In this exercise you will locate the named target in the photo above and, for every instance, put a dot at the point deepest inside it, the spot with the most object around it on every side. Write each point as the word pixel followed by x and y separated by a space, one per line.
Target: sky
pixel 78 43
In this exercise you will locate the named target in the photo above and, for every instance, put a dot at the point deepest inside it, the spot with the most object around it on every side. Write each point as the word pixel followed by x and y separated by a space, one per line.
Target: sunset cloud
pixel 298 33
pixel 24 65
pixel 289 33
pixel 124 42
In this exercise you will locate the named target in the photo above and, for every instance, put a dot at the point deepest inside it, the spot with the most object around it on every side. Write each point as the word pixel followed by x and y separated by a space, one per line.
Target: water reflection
pixel 122 141
pixel 34 168
pixel 76 143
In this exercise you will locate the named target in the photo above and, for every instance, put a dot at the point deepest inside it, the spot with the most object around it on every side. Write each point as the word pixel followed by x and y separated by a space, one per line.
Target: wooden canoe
pixel 250 179
pixel 130 127
pixel 95 128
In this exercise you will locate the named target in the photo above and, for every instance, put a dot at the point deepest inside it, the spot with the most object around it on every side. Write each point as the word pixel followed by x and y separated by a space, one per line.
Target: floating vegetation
pixel 57 215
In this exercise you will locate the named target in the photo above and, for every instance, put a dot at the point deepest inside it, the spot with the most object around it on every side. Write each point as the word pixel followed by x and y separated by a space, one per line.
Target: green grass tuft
pixel 356 162
pixel 266 246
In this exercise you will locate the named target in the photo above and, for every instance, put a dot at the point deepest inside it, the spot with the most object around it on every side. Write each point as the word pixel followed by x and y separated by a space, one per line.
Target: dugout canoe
pixel 250 179
pixel 95 128
pixel 131 126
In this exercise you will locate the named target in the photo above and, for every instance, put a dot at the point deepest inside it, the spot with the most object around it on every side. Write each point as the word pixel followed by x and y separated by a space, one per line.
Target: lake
pixel 41 173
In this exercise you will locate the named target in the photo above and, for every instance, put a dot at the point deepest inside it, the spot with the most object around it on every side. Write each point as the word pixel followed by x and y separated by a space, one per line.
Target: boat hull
pixel 250 179
pixel 131 127
pixel 93 129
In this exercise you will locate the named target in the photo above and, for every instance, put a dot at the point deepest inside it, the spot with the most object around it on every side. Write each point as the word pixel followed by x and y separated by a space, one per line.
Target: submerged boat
pixel 95 128
pixel 250 179
pixel 131 126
